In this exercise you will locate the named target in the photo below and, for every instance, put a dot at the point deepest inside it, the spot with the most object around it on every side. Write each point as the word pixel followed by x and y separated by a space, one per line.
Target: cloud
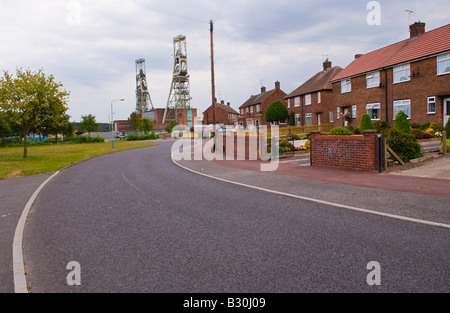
pixel 91 46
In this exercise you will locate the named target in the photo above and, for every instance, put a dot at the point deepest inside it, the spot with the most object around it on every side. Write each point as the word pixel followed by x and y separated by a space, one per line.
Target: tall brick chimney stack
pixel 277 85
pixel 263 89
pixel 416 29
pixel 326 65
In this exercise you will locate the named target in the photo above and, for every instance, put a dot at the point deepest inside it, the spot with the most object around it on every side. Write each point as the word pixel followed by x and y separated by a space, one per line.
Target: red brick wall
pixel 424 83
pixel 221 117
pixel 251 144
pixel 352 152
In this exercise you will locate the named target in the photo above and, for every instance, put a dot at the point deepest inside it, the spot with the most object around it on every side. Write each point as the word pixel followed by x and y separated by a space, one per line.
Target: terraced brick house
pixel 252 112
pixel 312 102
pixel 412 75
pixel 225 114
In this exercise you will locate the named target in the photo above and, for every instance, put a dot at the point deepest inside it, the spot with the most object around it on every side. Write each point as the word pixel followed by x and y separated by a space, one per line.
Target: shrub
pixel 425 126
pixel 447 128
pixel 401 122
pixel 436 127
pixel 365 123
pixel 150 136
pixel 380 125
pixel 417 133
pixel 415 125
pixel 341 131
pixel 85 139
pixel 448 146
pixel 405 145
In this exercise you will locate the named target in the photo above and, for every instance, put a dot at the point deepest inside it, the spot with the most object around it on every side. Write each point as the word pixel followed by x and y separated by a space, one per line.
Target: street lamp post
pixel 112 121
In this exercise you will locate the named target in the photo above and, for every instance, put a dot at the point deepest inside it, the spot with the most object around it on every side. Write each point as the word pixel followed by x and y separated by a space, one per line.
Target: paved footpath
pixel 14 195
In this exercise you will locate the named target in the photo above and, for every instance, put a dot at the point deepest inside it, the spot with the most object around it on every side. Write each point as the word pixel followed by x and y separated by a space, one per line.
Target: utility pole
pixel 213 88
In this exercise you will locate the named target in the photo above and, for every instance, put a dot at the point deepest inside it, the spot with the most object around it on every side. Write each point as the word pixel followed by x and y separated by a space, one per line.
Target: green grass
pixel 51 158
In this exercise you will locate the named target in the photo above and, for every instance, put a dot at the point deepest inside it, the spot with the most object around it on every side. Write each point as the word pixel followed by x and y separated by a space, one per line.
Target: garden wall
pixel 239 147
pixel 352 152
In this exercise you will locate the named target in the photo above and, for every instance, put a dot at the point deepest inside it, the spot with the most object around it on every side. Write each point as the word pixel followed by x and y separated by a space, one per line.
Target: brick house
pixel 412 75
pixel 187 117
pixel 312 102
pixel 252 112
pixel 225 114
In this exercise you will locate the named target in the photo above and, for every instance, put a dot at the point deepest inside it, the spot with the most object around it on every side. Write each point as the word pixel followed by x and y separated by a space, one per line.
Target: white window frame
pixel 338 113
pixel 258 108
pixel 319 97
pixel 246 110
pixel 331 117
pixel 354 111
pixel 346 85
pixel 398 104
pixel 297 102
pixel 308 117
pixel 373 80
pixel 373 106
pixel 298 119
pixel 431 101
pixel 308 99
pixel 251 109
pixel 397 73
pixel 443 59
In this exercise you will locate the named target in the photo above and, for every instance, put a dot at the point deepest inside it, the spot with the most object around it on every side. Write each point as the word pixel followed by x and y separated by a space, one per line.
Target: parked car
pixel 230 129
pixel 120 136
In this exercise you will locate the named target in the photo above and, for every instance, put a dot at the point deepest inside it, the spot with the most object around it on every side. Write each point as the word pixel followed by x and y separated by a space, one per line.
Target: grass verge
pixel 51 158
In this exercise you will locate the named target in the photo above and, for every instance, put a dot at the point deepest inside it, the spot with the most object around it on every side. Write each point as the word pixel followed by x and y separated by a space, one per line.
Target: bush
pixel 401 123
pixel 447 128
pixel 150 136
pixel 343 131
pixel 365 123
pixel 380 125
pixel 405 145
pixel 415 125
pixel 425 126
pixel 436 127
pixel 448 145
pixel 417 133
pixel 85 139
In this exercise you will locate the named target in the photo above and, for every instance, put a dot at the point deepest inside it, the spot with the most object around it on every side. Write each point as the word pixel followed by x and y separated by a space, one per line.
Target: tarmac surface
pixel 421 192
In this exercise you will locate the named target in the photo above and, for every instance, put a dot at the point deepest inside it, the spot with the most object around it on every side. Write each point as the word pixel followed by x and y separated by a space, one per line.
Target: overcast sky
pixel 90 46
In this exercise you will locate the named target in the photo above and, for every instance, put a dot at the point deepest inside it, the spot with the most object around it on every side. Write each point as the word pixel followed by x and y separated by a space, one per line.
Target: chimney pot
pixel 228 103
pixel 416 29
pixel 357 56
pixel 222 102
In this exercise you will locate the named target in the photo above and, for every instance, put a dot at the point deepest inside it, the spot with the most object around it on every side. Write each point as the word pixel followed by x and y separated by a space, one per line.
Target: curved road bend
pixel 135 222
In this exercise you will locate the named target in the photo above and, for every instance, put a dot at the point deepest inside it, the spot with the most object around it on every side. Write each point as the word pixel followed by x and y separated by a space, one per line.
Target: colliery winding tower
pixel 143 99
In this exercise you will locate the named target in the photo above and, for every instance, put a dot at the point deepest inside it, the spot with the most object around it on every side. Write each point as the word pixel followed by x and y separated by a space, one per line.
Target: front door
pixel 446 111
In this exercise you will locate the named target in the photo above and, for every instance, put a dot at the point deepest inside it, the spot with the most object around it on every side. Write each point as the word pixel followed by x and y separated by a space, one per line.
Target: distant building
pixel 412 75
pixel 252 112
pixel 187 117
pixel 225 114
pixel 312 102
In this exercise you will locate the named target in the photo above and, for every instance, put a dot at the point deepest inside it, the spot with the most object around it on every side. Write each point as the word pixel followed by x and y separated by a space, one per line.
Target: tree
pixel 53 120
pixel 365 123
pixel 401 122
pixel 170 127
pixel 134 121
pixel 5 129
pixel 24 98
pixel 276 112
pixel 88 124
pixel 447 128
pixel 145 125
pixel 291 118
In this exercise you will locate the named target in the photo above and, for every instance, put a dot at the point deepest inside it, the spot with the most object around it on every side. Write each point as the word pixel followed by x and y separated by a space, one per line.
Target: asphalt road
pixel 135 222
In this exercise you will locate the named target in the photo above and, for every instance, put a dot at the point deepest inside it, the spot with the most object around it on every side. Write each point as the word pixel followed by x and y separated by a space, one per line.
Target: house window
pixel 258 108
pixel 373 110
pixel 338 113
pixel 346 86
pixel 246 110
pixel 251 109
pixel 297 102
pixel 431 106
pixel 297 119
pixel 331 117
pixel 308 99
pixel 402 105
pixel 308 119
pixel 443 64
pixel 354 111
pixel 402 73
pixel 242 111
pixel 373 80
pixel 319 97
